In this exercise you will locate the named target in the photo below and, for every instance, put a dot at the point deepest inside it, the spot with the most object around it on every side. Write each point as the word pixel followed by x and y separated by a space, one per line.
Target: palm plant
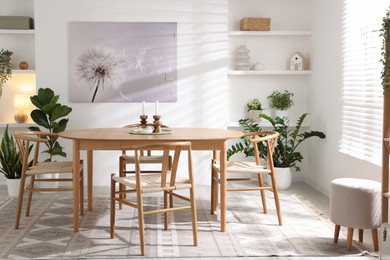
pixel 285 153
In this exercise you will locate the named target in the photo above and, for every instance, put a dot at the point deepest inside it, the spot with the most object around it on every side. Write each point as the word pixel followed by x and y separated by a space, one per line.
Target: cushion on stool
pixel 355 203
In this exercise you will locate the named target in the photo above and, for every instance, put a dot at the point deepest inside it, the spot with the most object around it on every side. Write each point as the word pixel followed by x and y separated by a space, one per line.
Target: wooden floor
pixel 316 198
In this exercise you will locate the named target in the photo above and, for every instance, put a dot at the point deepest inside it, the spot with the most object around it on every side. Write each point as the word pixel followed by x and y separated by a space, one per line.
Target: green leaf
pixel 60 111
pixel 40 118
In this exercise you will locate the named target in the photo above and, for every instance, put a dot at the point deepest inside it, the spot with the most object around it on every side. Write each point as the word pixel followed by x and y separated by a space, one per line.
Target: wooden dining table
pixel 93 139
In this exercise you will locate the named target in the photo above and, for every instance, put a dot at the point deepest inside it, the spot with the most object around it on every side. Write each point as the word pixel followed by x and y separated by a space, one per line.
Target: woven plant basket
pixel 255 24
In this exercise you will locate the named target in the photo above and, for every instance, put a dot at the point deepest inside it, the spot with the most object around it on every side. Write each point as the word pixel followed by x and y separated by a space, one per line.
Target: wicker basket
pixel 255 24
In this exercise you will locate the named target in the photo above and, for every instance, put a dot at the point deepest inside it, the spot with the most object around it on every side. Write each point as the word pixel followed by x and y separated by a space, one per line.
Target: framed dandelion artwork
pixel 123 61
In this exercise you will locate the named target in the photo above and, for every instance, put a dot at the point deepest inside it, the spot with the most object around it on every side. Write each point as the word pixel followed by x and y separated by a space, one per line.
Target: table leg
pixel 223 165
pixel 90 178
pixel 76 184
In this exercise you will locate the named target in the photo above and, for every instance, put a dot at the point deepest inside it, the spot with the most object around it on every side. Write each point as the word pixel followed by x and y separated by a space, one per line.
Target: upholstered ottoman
pixel 355 203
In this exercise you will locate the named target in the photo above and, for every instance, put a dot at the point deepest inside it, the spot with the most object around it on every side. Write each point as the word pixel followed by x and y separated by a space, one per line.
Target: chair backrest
pixel 268 138
pixel 166 147
pixel 28 140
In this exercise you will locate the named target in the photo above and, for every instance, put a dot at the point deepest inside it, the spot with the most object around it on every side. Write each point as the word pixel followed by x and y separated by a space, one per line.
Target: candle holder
pixel 143 120
pixel 157 124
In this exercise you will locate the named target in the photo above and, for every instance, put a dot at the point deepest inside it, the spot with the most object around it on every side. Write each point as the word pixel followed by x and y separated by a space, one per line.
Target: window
pixel 362 94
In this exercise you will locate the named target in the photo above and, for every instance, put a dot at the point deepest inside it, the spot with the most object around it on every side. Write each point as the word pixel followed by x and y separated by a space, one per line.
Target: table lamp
pixel 21 102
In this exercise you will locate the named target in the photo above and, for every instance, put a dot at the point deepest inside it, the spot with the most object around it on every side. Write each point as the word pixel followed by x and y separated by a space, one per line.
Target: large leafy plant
pixel 285 153
pixel 50 115
pixel 10 157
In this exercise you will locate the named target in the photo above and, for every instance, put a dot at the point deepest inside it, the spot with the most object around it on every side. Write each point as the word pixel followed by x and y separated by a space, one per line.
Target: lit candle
pixel 143 107
pixel 157 107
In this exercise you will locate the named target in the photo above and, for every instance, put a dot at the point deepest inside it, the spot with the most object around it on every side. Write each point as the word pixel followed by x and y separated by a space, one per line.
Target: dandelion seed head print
pixel 122 61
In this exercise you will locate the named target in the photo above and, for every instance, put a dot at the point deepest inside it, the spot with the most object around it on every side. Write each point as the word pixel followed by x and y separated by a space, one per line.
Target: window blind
pixel 362 94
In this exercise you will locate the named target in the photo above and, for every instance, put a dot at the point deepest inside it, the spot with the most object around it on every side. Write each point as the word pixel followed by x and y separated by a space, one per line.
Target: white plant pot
pixel 13 187
pixel 254 115
pixel 281 113
pixel 283 178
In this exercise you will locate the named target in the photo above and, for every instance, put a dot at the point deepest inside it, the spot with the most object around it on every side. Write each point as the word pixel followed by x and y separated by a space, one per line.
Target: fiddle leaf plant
pixel 5 67
pixel 50 115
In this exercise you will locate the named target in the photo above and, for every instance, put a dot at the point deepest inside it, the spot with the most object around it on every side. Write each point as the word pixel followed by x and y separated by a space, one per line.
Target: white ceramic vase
pixel 13 187
pixel 283 178
pixel 254 115
pixel 280 113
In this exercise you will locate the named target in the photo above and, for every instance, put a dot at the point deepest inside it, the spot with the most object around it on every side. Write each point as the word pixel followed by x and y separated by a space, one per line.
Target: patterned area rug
pixel 47 233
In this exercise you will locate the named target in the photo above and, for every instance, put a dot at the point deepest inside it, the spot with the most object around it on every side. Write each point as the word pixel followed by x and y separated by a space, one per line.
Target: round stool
pixel 355 203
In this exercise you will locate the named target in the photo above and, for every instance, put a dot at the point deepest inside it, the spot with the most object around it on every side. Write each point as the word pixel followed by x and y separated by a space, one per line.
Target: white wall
pixel 325 161
pixel 202 53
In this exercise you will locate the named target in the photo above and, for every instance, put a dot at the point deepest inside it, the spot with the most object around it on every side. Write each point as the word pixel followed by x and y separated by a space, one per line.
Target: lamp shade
pixel 21 101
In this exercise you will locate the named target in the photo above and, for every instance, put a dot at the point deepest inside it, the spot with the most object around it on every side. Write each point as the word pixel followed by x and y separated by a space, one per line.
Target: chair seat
pixel 152 182
pixel 52 167
pixel 243 167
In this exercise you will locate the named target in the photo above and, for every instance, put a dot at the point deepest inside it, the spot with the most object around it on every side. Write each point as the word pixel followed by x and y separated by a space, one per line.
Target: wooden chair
pixel 165 181
pixel 30 141
pixel 268 139
pixel 125 159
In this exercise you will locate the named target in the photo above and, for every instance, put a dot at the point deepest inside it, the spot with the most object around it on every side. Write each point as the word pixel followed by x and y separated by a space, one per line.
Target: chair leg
pixel 166 197
pixel 336 234
pixel 276 198
pixel 29 198
pixel 375 238
pixel 112 208
pixel 194 216
pixel 262 192
pixel 20 201
pixel 349 239
pixel 122 169
pixel 141 222
pixel 361 235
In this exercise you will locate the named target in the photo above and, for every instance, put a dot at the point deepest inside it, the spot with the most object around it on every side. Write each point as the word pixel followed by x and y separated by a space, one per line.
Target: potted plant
pixel 5 67
pixel 255 109
pixel 50 115
pixel 281 101
pixel 10 163
pixel 285 154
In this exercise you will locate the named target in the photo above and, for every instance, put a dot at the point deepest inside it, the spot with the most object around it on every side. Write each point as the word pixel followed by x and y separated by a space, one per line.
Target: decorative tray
pixel 140 132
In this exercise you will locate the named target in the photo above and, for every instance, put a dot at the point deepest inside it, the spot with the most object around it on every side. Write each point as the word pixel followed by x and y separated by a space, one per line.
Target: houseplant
pixel 50 115
pixel 254 107
pixel 285 153
pixel 5 67
pixel 10 162
pixel 281 101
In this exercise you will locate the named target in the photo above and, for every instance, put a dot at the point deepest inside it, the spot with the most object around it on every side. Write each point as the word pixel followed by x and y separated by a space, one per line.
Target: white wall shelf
pixel 23 71
pixel 15 125
pixel 12 31
pixel 268 72
pixel 264 123
pixel 269 33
